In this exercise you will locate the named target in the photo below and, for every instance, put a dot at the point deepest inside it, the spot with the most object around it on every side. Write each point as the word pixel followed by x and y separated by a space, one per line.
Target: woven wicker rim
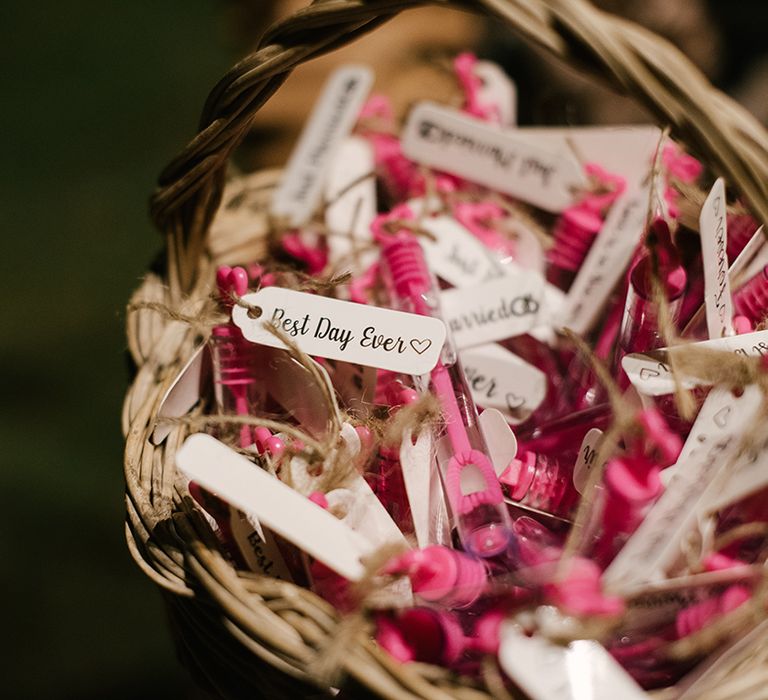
pixel 279 623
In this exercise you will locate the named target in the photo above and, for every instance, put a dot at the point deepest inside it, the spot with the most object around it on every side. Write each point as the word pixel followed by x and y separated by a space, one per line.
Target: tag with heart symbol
pixel 651 375
pixel 500 379
pixel 342 330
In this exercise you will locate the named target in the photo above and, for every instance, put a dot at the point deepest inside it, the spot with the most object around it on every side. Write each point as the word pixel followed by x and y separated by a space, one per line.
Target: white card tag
pixel 627 151
pixel 278 507
pixel 712 441
pixel 582 670
pixel 455 254
pixel 365 514
pixel 351 191
pixel 749 477
pixel 183 394
pixel 499 90
pixel 722 663
pixel 501 441
pixel 258 547
pixel 343 330
pixel 606 261
pixel 500 379
pixel 714 241
pixel 493 311
pixel 587 459
pixel 652 375
pixel 751 260
pixel 424 490
pixel 447 140
pixel 332 119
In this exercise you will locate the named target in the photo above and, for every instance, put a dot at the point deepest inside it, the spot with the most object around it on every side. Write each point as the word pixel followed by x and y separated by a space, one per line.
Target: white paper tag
pixel 651 374
pixel 714 241
pixel 424 490
pixel 351 191
pixel 343 330
pixel 606 261
pixel 365 513
pixel 587 459
pixel 331 120
pixel 712 441
pixel 627 151
pixel 582 670
pixel 720 664
pixel 499 90
pixel 278 507
pixel 183 394
pixel 499 438
pixel 500 379
pixel 493 311
pixel 751 260
pixel 455 255
pixel 447 140
pixel 748 477
pixel 258 547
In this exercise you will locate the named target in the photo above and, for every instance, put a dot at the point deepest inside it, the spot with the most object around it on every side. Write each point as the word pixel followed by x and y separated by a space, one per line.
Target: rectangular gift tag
pixel 582 670
pixel 278 507
pixel 712 442
pixel 447 140
pixel 714 241
pixel 258 546
pixel 500 379
pixel 752 259
pixel 343 330
pixel 651 374
pixel 606 261
pixel 424 490
pixel 627 151
pixel 750 476
pixel 722 663
pixel 454 254
pixel 493 311
pixel 351 193
pixel 332 118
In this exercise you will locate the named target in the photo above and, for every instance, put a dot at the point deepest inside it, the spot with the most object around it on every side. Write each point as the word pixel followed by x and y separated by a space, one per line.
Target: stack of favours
pixel 496 392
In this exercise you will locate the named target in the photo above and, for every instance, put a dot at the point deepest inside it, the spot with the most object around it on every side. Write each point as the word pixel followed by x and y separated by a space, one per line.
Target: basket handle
pixel 629 58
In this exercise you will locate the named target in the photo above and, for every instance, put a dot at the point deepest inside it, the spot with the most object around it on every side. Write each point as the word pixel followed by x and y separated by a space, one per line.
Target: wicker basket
pixel 243 634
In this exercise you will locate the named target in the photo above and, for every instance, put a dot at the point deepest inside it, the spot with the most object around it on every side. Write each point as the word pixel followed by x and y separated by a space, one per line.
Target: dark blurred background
pixel 96 97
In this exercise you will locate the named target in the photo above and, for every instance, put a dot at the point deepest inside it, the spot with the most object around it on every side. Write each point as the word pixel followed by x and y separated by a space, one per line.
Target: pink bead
pixel 275 446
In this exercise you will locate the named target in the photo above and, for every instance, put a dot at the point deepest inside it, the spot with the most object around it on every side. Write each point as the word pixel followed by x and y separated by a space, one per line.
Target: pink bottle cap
pixel 519 475
pixel 438 573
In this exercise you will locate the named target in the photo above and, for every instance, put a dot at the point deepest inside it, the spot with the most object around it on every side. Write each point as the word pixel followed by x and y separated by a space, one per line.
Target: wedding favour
pixel 451 392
